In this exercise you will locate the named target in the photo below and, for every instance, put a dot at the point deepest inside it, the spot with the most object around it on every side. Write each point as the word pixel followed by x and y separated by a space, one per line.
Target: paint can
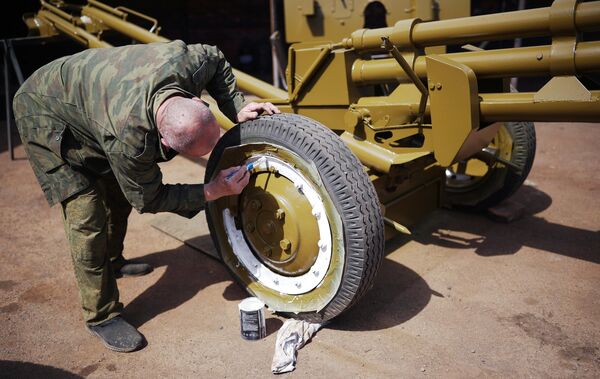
pixel 252 319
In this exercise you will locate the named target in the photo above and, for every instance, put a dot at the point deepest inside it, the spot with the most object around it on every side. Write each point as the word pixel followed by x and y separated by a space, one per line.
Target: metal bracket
pixel 387 45
pixel 564 37
pixel 454 106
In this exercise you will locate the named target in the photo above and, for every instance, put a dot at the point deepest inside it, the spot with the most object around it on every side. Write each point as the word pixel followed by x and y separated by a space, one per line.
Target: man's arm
pixel 141 183
pixel 222 86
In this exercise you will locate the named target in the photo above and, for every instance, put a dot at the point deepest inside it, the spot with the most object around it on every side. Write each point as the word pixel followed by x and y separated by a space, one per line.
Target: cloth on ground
pixel 291 337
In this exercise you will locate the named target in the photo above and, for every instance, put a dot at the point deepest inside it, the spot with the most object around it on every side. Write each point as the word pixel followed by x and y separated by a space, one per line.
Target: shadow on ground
pixel 398 295
pixel 186 274
pixel 15 369
pixel 465 230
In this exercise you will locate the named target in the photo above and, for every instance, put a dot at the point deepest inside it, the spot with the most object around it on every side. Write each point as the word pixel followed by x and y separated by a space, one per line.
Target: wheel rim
pixel 230 226
pixel 467 175
pixel 286 256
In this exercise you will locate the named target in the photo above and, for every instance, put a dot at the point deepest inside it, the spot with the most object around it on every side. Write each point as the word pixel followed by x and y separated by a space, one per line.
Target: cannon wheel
pixel 482 183
pixel 306 235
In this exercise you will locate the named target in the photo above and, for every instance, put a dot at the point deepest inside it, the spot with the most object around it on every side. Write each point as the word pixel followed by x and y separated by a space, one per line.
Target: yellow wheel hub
pixel 278 224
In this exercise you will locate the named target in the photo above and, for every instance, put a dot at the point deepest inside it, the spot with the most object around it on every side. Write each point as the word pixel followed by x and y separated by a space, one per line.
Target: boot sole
pixel 110 347
pixel 119 275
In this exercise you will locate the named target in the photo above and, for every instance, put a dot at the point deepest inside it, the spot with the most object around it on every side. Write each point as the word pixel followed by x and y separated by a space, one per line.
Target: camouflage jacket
pixel 93 113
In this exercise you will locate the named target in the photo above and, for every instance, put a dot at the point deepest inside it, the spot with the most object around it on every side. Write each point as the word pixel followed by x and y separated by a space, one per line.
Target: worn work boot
pixel 127 268
pixel 118 335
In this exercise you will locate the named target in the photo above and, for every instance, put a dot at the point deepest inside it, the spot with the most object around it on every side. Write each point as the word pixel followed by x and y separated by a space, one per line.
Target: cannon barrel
pixel 524 61
pixel 501 26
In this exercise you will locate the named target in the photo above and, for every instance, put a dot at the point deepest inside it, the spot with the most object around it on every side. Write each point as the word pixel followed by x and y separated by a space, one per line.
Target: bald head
pixel 187 126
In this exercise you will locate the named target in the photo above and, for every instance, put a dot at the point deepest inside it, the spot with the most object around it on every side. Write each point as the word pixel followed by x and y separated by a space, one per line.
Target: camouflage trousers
pixel 95 222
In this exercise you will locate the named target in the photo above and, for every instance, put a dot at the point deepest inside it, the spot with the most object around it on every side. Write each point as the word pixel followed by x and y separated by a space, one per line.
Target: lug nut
pixel 316 213
pixel 255 205
pixel 322 245
pixel 285 245
pixel 269 227
pixel 280 214
pixel 267 251
pixel 250 227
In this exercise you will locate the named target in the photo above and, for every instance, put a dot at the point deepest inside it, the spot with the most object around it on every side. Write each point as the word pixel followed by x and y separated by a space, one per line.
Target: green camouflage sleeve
pixel 141 183
pixel 222 86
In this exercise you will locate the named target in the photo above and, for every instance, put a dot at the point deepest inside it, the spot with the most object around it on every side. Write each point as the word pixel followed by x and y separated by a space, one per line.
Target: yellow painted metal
pixel 523 107
pixel 377 157
pixel 312 62
pixel 500 26
pixel 331 20
pixel 259 88
pixel 108 8
pixel 121 25
pixel 80 35
pixel 524 61
pixel 563 88
pixel 278 224
pixel 454 113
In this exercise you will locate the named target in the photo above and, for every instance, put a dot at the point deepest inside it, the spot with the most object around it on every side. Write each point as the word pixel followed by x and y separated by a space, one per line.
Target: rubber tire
pixel 347 184
pixel 523 154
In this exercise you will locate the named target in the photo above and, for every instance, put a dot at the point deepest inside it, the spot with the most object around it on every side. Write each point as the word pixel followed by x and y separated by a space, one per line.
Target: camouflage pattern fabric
pixel 94 112
pixel 88 126
pixel 95 222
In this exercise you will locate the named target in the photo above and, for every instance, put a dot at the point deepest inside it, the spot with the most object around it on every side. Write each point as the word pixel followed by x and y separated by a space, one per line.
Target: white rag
pixel 292 335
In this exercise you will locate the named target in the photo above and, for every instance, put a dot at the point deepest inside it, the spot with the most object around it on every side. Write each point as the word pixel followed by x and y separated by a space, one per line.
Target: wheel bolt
pixel 250 227
pixel 285 245
pixel 267 252
pixel 269 227
pixel 280 214
pixel 255 205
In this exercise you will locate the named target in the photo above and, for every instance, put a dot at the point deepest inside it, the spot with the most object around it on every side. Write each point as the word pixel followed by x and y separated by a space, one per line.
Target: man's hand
pixel 253 110
pixel 230 181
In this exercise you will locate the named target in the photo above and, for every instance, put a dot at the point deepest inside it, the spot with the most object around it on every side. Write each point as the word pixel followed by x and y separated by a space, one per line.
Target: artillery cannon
pixel 376 133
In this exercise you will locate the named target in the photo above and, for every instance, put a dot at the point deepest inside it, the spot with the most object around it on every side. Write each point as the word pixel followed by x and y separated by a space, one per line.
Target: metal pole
pixel 7 102
pixel 15 62
pixel 275 68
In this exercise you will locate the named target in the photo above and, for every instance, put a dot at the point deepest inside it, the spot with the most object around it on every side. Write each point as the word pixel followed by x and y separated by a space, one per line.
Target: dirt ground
pixel 465 297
